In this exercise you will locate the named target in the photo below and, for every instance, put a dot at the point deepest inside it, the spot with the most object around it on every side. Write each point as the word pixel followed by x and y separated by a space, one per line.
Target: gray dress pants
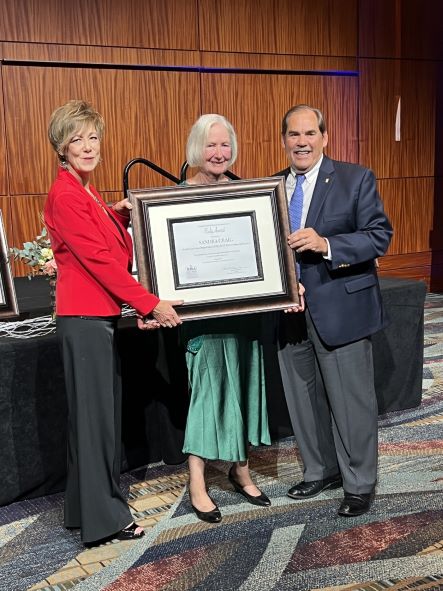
pixel 332 404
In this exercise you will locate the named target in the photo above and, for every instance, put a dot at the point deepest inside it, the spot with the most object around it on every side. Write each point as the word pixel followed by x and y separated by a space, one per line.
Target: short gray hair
pixel 199 134
pixel 296 109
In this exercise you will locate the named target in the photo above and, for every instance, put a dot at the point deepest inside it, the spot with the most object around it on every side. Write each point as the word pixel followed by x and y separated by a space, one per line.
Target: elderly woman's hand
pixel 122 207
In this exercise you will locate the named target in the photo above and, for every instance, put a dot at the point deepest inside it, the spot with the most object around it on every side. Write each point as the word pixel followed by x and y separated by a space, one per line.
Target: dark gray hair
pixel 296 109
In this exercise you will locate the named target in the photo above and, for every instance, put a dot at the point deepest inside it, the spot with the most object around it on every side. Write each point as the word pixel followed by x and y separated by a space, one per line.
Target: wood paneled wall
pixel 152 67
pixel 300 27
pixel 267 97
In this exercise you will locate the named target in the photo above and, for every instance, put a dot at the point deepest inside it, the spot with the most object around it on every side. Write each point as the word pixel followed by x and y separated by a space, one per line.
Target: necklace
pixel 99 203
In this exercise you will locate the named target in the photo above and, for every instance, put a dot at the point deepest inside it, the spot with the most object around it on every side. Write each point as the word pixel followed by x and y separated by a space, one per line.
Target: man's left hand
pixel 147 324
pixel 308 239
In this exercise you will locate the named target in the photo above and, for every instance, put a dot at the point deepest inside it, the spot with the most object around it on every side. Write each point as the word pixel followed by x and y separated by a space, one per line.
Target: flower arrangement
pixel 38 255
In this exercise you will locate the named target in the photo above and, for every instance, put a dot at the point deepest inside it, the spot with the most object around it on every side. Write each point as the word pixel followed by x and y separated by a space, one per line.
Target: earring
pixel 63 161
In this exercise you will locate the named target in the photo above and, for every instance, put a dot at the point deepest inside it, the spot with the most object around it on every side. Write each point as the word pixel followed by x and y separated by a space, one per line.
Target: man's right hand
pixel 165 314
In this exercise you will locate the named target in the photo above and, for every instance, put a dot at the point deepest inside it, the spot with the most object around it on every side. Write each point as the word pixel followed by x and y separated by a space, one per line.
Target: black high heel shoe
pixel 212 516
pixel 262 500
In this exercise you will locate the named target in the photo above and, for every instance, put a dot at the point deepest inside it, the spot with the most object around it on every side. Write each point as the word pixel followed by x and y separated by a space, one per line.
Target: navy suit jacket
pixel 343 294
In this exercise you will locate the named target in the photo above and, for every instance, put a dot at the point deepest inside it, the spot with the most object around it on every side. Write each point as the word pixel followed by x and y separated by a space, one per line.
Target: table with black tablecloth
pixel 33 403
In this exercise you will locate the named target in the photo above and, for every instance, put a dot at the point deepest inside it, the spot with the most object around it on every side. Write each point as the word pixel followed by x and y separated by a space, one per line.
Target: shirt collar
pixel 312 174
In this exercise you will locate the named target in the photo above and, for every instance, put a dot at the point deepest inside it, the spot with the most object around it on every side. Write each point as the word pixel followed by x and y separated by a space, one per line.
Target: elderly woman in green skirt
pixel 224 359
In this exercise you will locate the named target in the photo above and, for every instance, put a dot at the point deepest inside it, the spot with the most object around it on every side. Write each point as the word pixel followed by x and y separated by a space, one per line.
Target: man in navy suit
pixel 326 353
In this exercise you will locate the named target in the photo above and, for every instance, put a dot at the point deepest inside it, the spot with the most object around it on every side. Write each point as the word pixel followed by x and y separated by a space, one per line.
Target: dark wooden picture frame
pixel 156 212
pixel 8 299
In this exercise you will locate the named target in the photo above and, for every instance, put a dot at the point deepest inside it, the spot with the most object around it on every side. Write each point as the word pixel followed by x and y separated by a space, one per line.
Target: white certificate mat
pixel 219 288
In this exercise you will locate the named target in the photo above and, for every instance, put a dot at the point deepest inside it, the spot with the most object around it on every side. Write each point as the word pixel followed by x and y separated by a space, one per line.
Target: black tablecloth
pixel 398 349
pixel 33 404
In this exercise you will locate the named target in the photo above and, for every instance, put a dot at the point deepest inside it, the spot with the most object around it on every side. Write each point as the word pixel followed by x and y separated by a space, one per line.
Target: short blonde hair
pixel 199 134
pixel 66 120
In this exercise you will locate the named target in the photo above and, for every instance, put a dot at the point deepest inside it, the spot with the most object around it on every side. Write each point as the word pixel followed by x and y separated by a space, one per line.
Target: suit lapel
pixel 325 181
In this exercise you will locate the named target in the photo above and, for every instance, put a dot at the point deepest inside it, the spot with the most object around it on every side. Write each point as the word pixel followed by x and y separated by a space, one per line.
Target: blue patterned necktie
pixel 296 204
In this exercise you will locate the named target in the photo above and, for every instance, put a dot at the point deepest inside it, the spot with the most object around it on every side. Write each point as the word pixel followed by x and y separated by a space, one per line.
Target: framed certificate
pixel 220 248
pixel 8 300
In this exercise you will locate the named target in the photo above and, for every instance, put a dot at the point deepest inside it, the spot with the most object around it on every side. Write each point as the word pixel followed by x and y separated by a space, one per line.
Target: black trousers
pixel 93 499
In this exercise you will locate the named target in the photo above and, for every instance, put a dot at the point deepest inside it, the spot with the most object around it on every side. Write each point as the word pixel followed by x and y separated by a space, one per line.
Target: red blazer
pixel 93 253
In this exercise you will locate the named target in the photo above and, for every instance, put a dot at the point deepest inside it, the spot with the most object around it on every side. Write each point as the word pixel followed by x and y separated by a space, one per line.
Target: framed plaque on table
pixel 8 299
pixel 221 248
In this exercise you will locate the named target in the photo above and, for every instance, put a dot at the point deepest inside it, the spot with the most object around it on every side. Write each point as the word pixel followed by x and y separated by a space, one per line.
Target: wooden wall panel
pixel 3 167
pixel 379 32
pixel 438 171
pixel 147 114
pixel 5 207
pixel 381 83
pixel 411 266
pixel 409 204
pixel 87 54
pixel 169 24
pixel 401 29
pixel 305 27
pixel 26 219
pixel 267 61
pixel 255 104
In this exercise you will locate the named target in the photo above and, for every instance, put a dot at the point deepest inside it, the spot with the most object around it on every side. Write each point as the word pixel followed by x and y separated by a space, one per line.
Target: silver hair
pixel 199 134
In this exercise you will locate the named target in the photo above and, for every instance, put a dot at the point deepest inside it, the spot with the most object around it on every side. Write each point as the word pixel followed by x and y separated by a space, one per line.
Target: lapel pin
pixel 327 180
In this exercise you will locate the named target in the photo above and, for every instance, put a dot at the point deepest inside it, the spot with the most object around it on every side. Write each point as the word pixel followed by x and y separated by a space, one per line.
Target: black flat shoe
pixel 307 490
pixel 213 516
pixel 355 505
pixel 132 532
pixel 262 500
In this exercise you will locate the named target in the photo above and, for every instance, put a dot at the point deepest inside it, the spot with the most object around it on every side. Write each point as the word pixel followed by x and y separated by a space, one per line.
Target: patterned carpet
pixel 291 546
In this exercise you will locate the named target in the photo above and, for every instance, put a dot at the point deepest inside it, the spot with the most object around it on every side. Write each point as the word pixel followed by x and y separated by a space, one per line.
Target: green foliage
pixel 36 253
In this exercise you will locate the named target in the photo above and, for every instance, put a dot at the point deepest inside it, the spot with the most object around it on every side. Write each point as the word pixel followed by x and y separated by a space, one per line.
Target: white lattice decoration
pixel 39 327
pixel 28 329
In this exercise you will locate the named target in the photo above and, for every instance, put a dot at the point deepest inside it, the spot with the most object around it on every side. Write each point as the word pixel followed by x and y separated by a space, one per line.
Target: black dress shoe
pixel 354 505
pixel 212 516
pixel 261 500
pixel 307 490
pixel 132 532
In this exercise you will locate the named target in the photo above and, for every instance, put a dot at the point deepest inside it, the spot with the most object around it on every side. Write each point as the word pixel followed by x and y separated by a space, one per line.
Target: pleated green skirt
pixel 227 388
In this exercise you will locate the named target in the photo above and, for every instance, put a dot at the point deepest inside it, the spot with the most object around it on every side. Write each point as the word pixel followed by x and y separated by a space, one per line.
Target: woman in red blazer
pixel 93 252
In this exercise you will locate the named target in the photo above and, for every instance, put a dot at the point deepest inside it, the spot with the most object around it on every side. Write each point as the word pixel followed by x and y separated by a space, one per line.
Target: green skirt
pixel 227 386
